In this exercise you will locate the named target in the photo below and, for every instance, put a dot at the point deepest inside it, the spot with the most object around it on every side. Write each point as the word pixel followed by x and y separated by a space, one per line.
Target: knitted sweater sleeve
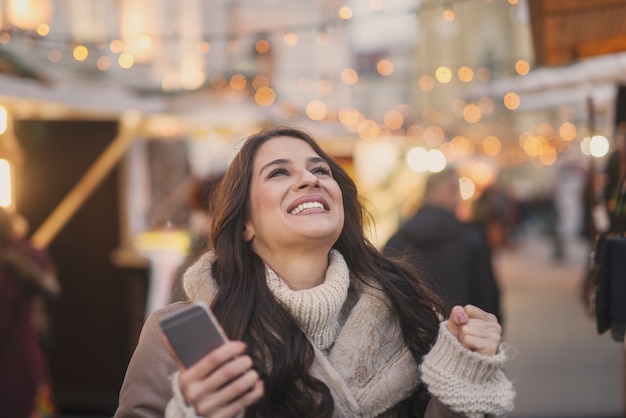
pixel 467 382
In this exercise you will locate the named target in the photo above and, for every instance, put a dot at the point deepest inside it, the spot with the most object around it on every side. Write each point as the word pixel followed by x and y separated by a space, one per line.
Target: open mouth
pixel 306 206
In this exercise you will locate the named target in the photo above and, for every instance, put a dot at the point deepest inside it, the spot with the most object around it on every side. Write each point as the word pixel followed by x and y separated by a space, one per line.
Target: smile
pixel 306 206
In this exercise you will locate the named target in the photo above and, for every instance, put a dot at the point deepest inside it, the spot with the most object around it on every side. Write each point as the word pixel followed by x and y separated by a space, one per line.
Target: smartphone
pixel 193 332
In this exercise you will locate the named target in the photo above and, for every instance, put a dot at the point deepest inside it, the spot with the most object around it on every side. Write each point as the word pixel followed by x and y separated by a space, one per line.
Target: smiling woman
pixel 321 324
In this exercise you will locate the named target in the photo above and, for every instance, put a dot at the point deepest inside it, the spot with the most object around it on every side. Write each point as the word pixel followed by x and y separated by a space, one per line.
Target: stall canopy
pixel 565 31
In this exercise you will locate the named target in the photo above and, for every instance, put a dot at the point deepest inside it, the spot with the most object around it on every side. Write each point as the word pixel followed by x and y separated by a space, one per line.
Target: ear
pixel 248 232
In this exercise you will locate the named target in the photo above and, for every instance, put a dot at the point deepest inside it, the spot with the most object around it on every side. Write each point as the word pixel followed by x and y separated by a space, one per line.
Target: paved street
pixel 560 366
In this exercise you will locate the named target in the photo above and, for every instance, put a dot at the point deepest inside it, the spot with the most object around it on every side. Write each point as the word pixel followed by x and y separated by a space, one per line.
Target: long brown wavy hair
pixel 249 312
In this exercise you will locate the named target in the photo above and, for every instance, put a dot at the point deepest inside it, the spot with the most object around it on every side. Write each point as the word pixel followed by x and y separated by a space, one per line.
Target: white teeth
pixel 305 206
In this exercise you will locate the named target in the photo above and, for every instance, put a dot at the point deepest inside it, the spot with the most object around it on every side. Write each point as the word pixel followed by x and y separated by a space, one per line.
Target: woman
pixel 27 280
pixel 322 324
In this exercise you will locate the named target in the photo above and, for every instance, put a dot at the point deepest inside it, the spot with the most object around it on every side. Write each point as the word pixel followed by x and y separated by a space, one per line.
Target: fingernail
pixel 461 318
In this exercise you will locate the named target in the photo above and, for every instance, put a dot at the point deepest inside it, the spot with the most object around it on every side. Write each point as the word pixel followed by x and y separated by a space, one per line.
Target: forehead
pixel 283 147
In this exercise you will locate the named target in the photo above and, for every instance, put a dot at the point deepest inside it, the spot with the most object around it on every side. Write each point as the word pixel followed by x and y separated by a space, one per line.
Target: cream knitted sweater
pixel 363 359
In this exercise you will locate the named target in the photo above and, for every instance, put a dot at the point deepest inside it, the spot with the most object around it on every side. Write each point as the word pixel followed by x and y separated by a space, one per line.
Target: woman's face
pixel 294 201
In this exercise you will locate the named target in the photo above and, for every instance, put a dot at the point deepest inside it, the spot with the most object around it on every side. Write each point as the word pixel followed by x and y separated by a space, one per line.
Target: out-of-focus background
pixel 113 112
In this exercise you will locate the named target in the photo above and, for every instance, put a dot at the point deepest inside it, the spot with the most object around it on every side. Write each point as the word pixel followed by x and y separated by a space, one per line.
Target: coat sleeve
pixel 147 389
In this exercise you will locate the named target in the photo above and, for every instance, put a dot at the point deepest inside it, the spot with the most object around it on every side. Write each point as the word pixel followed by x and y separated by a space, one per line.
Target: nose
pixel 308 179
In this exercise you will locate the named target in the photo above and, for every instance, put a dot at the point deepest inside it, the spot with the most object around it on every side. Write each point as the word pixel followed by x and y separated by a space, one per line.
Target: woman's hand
pixel 476 329
pixel 223 383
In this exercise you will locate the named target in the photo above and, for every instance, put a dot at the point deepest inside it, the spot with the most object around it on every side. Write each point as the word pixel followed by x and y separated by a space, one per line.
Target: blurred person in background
pixel 202 192
pixel 455 253
pixel 27 284
pixel 488 211
pixel 615 171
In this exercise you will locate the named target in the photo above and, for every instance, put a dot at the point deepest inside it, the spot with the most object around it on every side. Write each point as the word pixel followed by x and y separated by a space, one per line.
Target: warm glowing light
pixel 144 42
pixel 290 39
pixel 512 101
pixel 103 63
pixel 262 46
pixel 472 113
pixel 5 38
pixel 599 146
pixel 4 120
pixel 415 132
pixel 238 82
pixel 426 83
pixel 420 160
pixel 533 144
pixel 6 193
pixel 28 14
pixel 545 129
pixel 417 159
pixel 448 15
pixel 461 147
pixel 522 67
pixel 126 60
pixel 523 137
pixel 316 110
pixel 482 173
pixel 467 188
pixel 260 81
pixel 436 161
pixel 567 131
pixel 349 76
pixel 116 46
pixel 43 29
pixel 192 77
pixel 548 156
pixel 80 53
pixel 443 74
pixel 368 129
pixel 393 120
pixel 345 13
pixel 434 135
pixel 384 67
pixel 465 74
pixel 265 96
pixel 492 146
pixel 350 116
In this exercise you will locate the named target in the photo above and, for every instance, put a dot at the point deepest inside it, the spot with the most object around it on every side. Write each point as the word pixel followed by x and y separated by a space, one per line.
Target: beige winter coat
pixel 369 369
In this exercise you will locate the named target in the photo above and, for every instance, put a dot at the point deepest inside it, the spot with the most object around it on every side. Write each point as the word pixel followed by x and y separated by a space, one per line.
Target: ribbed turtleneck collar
pixel 317 309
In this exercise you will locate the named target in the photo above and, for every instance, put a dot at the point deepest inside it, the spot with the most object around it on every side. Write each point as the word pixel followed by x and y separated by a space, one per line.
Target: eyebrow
pixel 282 161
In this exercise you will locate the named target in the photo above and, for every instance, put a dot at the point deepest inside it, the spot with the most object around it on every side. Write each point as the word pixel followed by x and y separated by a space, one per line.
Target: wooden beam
pixel 602 46
pixel 90 180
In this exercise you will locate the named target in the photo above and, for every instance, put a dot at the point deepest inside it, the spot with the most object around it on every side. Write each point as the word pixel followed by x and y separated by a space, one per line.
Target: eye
pixel 279 171
pixel 322 170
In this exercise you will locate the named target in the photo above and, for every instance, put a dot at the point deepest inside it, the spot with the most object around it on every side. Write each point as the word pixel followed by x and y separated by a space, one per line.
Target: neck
pixel 299 269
